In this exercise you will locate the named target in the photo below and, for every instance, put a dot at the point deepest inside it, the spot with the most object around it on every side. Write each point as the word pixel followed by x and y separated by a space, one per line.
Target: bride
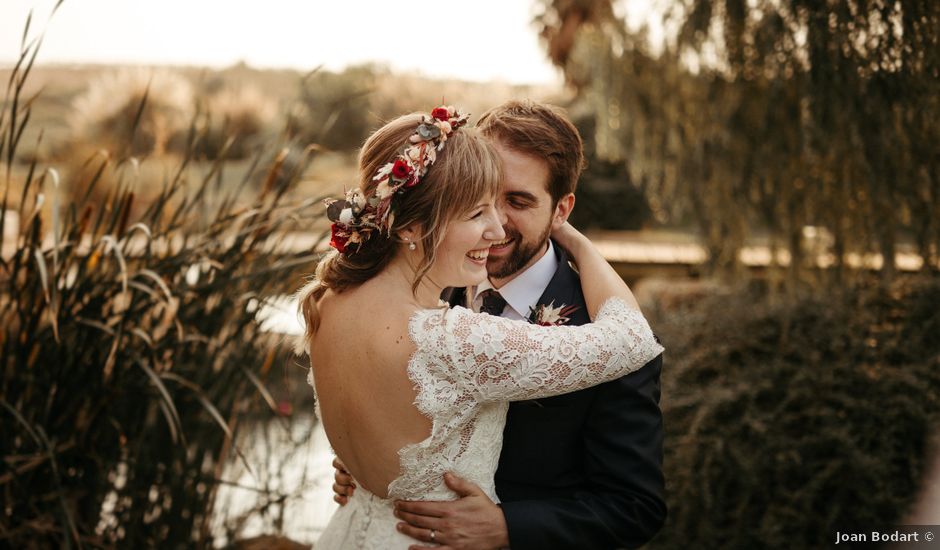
pixel 408 389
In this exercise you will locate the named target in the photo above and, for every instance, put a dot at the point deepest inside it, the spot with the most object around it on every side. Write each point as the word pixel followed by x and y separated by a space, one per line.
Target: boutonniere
pixel 549 315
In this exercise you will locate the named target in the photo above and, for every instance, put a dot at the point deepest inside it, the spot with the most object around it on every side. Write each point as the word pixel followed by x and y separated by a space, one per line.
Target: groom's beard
pixel 522 252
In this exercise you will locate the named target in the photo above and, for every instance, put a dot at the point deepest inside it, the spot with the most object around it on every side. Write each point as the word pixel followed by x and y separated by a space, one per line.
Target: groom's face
pixel 528 210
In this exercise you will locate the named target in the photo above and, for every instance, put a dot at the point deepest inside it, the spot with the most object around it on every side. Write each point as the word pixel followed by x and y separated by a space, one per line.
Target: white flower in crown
pixel 549 315
pixel 357 200
pixel 383 171
pixel 445 127
pixel 383 189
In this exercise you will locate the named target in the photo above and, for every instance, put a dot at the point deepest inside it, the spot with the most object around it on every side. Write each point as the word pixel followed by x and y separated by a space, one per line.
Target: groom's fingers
pixel 417 520
pixel 343 485
pixel 422 508
pixel 342 491
pixel 343 478
pixel 461 486
pixel 338 464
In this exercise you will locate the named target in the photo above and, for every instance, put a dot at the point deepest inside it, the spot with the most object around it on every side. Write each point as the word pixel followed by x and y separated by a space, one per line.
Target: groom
pixel 581 470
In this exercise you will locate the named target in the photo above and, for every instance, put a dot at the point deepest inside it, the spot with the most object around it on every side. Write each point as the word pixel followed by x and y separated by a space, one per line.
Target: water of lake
pixel 288 457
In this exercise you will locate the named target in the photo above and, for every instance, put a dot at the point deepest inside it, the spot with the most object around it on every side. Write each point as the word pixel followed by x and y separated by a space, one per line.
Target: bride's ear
pixel 408 236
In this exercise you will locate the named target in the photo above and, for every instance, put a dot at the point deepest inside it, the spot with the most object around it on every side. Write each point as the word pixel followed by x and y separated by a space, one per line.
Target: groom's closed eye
pixel 520 200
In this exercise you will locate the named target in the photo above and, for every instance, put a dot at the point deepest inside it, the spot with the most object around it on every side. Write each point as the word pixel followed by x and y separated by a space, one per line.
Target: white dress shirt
pixel 523 292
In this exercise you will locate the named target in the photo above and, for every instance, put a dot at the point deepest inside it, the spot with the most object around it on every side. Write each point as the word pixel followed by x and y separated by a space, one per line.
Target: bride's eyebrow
pixel 474 209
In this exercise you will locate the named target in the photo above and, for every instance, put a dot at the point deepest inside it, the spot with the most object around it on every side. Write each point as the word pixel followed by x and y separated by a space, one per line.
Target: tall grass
pixel 129 344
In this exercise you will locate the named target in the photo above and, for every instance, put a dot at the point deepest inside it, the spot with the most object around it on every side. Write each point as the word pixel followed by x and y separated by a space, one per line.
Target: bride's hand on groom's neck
pixel 570 239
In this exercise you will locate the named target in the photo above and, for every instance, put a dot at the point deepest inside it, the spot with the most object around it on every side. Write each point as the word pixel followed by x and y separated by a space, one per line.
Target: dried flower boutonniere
pixel 549 315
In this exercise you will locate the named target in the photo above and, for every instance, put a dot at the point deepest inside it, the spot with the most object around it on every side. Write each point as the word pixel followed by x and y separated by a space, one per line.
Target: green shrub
pixel 787 421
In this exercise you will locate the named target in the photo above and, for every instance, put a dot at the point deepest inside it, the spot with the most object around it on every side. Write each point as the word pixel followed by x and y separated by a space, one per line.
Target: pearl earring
pixel 412 246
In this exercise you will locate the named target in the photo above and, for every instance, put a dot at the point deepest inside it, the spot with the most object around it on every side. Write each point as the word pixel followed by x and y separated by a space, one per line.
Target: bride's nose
pixel 493 236
pixel 494 229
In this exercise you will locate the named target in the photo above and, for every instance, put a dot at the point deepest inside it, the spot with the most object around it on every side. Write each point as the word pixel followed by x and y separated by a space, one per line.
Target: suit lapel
pixel 455 297
pixel 565 289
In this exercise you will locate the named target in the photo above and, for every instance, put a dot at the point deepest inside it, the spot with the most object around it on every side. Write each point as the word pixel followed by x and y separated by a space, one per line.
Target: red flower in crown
pixel 401 169
pixel 440 113
pixel 338 238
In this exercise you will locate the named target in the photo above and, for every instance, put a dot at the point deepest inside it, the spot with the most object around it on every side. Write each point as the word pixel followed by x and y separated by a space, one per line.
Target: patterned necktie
pixel 493 302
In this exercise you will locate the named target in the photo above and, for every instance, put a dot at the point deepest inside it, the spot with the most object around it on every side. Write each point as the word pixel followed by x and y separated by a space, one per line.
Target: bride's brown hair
pixel 466 170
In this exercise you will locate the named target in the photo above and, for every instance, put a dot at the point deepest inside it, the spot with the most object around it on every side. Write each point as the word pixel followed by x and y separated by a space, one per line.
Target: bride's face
pixel 461 258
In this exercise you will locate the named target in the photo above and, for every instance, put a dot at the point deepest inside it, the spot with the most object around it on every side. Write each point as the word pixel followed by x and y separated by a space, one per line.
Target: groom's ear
pixel 563 209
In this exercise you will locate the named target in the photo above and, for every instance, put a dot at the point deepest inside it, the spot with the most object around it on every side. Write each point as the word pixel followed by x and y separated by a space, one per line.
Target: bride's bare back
pixel 360 355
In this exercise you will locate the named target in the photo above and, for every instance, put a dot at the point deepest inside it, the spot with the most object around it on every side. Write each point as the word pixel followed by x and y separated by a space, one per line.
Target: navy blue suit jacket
pixel 584 469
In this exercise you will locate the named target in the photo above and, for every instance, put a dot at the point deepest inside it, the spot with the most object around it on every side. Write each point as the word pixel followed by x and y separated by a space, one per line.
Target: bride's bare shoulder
pixel 367 317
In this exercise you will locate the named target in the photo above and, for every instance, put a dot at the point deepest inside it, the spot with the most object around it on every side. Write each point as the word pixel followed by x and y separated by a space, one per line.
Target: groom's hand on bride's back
pixel 471 521
pixel 343 485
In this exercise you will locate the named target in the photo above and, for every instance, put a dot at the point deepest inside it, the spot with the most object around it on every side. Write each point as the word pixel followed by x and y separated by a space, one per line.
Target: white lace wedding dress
pixel 466 369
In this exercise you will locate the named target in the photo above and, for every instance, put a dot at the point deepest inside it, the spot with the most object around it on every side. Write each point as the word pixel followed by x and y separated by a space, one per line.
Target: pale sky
pixel 478 40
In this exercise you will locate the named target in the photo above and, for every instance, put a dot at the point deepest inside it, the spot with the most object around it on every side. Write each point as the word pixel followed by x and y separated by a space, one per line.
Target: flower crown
pixel 356 217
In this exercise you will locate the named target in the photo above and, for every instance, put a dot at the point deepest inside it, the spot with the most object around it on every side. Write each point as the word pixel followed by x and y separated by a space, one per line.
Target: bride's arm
pixel 599 281
pixel 489 358
pixel 496 359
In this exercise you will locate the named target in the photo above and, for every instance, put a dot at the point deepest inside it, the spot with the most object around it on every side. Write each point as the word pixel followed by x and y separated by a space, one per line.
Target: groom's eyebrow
pixel 523 196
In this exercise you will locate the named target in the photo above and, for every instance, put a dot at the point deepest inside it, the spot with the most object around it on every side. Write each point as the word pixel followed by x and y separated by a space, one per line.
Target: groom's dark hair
pixel 543 131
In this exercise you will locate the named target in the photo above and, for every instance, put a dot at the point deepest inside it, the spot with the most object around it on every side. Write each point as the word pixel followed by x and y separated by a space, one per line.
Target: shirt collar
pixel 522 293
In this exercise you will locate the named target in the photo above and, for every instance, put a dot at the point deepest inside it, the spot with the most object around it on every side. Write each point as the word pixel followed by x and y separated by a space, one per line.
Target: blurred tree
pixel 134 111
pixel 233 119
pixel 606 196
pixel 772 116
pixel 338 110
pixel 333 108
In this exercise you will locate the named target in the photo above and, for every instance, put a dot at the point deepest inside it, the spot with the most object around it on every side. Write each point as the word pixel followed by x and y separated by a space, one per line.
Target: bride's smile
pixel 462 254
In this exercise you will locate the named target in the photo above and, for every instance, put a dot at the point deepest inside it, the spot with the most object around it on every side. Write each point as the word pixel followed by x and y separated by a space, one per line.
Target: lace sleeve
pixel 498 359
